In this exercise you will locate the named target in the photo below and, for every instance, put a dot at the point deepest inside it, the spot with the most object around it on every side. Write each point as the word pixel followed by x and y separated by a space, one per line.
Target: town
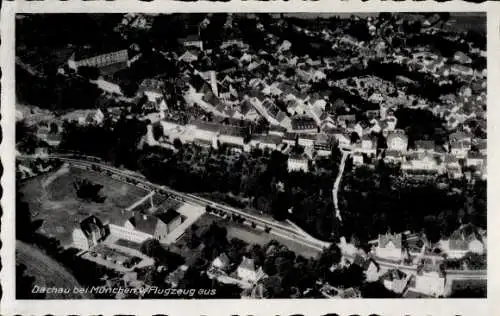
pixel 253 155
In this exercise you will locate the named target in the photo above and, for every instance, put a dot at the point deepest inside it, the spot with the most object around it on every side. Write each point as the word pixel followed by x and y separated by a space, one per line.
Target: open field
pixel 60 209
pixel 47 271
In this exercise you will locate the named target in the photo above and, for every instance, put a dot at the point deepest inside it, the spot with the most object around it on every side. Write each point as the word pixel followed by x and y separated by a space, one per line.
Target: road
pixel 336 185
pixel 277 228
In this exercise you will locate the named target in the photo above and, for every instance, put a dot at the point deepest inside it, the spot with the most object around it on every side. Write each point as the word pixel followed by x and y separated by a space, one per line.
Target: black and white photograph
pixel 250 155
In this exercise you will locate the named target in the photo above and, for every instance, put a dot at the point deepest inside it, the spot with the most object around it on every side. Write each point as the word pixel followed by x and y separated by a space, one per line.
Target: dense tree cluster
pixel 55 92
pixel 376 201
pixel 87 190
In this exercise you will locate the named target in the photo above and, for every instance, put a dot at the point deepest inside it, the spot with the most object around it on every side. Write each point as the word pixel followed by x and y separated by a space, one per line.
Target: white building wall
pixel 124 232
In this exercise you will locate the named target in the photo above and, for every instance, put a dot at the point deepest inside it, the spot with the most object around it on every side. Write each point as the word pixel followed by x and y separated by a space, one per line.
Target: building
pixel 324 143
pixel 270 141
pixel 304 124
pixel 358 159
pixel 430 283
pixel 152 89
pixel 233 136
pixel 306 140
pixel 189 56
pixel 192 41
pixel 393 156
pixel 367 146
pixel 298 163
pixel 425 146
pixel 248 272
pixel 397 141
pixel 390 246
pixel 453 166
pixel 421 163
pixel 346 120
pixel 90 58
pixel 465 239
pixel 372 270
pixel 90 233
pixel 395 280
pixel 157 226
pixel 475 159
pixel 222 262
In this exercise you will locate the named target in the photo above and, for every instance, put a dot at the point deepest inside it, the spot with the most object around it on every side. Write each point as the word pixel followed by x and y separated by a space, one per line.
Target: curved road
pixel 276 227
pixel 336 184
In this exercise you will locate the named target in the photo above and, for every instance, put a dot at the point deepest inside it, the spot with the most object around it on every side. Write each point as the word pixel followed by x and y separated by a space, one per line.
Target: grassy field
pixel 47 272
pixel 57 205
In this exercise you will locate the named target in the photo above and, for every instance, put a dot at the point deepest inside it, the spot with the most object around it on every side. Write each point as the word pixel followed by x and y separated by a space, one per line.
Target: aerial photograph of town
pixel 251 155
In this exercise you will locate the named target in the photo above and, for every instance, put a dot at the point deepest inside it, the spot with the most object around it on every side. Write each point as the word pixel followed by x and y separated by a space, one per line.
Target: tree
pixel 88 191
pixel 177 143
pixel 91 73
pixel 157 131
pixel 150 247
pixel 330 256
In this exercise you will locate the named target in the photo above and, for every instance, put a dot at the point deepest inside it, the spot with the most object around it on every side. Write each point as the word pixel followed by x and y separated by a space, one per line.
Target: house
pixel 367 146
pixel 232 135
pixel 151 88
pixel 462 58
pixel 461 70
pixel 298 163
pixel 303 124
pixel 93 58
pixel 306 140
pixel 421 164
pixel 357 158
pixel 283 120
pixel 372 270
pixel 393 156
pixel 475 159
pixel 346 120
pixel 222 262
pixel 247 271
pixel 466 238
pixel 324 144
pixel 424 146
pixel 350 293
pixel 175 277
pixel 390 246
pixel 156 226
pixel 90 233
pixel 397 141
pixel 295 107
pixel 453 166
pixel 460 144
pixel 53 139
pixel 481 146
pixel 372 114
pixel 189 56
pixel 192 41
pixel 266 141
pixel 395 280
pixel 431 284
pixel 205 131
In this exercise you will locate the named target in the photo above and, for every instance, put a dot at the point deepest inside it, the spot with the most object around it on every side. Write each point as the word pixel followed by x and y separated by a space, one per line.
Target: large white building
pixel 97 60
